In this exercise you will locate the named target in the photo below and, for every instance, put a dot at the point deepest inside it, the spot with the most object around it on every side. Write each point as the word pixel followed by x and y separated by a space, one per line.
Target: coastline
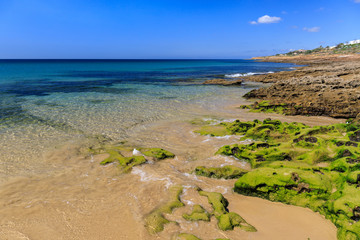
pixel 327 86
pixel 87 201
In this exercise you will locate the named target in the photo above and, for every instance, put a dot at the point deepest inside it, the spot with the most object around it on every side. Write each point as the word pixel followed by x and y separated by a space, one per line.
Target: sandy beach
pixel 179 120
pixel 84 200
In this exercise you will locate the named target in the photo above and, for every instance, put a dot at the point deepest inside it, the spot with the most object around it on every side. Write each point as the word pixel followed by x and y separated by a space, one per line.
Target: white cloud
pixel 357 1
pixel 313 29
pixel 266 19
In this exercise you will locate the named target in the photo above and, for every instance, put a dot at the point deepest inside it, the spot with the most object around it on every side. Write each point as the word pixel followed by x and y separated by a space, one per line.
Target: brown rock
pixel 223 82
pixel 329 86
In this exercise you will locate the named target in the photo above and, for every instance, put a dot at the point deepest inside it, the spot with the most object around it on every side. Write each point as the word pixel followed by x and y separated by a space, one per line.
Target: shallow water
pixel 53 188
pixel 44 104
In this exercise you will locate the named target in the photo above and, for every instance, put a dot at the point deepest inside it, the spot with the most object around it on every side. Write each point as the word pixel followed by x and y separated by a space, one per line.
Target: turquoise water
pixel 44 103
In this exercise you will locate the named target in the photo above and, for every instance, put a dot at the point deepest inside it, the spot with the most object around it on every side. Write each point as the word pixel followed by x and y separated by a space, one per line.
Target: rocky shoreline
pixel 328 86
pixel 312 167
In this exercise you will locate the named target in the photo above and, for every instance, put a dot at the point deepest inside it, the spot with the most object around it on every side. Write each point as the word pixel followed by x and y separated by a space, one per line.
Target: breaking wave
pixel 235 75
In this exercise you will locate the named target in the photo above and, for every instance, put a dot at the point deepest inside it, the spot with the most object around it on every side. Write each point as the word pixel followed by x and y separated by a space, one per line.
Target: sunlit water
pixel 45 104
pixel 52 187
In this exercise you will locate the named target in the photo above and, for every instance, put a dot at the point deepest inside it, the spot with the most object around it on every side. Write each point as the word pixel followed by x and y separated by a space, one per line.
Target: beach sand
pixel 81 199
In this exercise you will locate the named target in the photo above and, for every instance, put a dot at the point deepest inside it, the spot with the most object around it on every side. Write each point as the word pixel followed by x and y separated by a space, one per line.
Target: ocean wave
pixel 235 75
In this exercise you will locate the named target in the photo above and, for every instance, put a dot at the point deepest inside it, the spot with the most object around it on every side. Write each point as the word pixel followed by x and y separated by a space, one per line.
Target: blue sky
pixel 172 28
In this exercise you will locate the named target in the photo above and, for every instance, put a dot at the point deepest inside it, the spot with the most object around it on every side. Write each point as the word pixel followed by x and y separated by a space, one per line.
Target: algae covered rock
pixel 198 214
pixel 155 220
pixel 217 201
pixel 226 220
pixel 265 181
pixel 332 193
pixel 126 163
pixel 287 158
pixel 226 172
pixel 257 154
pixel 157 153
pixel 127 157
pixel 230 220
pixel 214 130
pixel 186 236
pixel 277 141
pixel 266 106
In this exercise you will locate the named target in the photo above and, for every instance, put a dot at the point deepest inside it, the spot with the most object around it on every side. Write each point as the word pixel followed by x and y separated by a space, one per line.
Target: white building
pixel 352 42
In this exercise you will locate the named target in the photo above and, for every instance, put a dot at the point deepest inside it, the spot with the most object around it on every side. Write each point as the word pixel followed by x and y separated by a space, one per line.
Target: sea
pixel 48 103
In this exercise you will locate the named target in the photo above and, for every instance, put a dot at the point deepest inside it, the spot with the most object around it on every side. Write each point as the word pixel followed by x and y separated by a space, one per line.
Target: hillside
pixel 353 47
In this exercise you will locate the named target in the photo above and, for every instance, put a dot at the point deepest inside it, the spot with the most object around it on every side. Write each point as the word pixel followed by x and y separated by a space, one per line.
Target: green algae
pixel 124 157
pixel 156 220
pixel 217 201
pixel 198 214
pixel 266 107
pixel 277 141
pixel 186 236
pixel 226 220
pixel 286 157
pixel 226 172
pixel 225 128
pixel 157 153
pixel 326 192
pixel 213 130
pixel 126 163
pixel 314 167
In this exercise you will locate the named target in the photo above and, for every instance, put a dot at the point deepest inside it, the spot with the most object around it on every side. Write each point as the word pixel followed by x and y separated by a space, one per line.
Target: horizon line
pixel 127 59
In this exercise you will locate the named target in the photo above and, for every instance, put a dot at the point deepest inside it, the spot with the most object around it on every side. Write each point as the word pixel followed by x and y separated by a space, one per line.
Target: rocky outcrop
pixel 314 167
pixel 327 89
pixel 224 82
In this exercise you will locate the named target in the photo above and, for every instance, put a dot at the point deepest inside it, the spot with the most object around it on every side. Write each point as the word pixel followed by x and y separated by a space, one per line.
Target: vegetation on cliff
pixel 341 48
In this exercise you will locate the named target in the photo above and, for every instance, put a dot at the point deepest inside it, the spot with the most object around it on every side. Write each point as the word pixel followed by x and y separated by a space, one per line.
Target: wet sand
pixel 80 199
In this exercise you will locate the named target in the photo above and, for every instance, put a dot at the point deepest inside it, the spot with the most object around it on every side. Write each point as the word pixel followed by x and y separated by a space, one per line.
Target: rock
pixel 157 153
pixel 156 220
pixel 311 139
pixel 355 136
pixel 186 236
pixel 327 89
pixel 198 214
pixel 226 220
pixel 223 82
pixel 226 172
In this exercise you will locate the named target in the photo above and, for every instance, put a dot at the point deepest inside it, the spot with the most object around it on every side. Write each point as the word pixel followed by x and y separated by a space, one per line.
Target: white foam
pixel 221 189
pixel 223 137
pixel 246 141
pixel 209 137
pixel 188 202
pixel 146 177
pixel 236 75
pixel 136 152
pixel 192 176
